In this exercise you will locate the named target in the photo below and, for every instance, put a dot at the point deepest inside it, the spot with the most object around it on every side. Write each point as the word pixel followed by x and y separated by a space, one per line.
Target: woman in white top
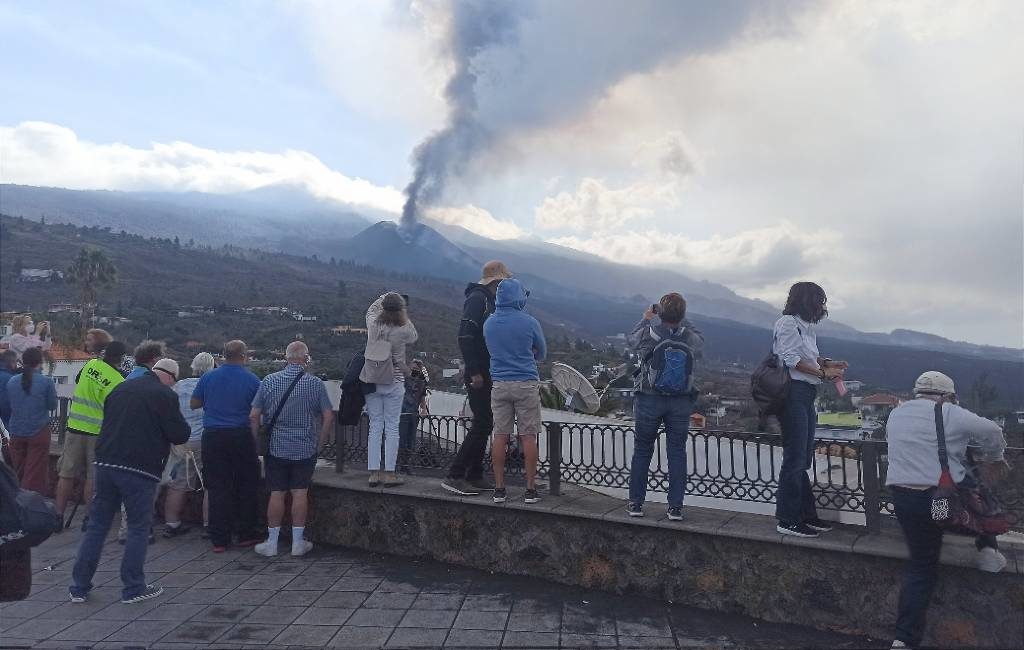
pixel 796 345
pixel 387 319
pixel 26 336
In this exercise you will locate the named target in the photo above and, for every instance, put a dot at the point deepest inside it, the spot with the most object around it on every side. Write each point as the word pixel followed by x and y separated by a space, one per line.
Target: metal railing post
pixel 872 489
pixel 339 452
pixel 554 458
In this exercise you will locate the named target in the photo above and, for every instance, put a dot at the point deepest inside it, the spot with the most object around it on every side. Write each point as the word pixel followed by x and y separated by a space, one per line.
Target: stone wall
pixel 720 561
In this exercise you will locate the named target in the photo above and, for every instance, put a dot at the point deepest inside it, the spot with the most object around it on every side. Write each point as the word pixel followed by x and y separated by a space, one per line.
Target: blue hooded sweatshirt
pixel 514 338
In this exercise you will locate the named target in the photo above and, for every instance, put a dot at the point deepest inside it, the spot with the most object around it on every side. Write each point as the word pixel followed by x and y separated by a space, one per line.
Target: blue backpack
pixel 668 368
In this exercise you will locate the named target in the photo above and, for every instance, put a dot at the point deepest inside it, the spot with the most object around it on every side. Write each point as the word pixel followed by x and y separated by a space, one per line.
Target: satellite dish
pixel 578 392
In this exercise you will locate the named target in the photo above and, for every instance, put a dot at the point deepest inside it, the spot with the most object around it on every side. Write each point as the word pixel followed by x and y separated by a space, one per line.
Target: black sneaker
pixel 481 484
pixel 85 523
pixel 170 532
pixel 818 524
pixel 151 591
pixel 796 530
pixel 460 487
pixel 531 496
pixel 499 495
pixel 675 514
pixel 634 509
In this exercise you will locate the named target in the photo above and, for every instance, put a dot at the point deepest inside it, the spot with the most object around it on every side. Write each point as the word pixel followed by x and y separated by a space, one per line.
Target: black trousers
pixel 469 460
pixel 231 474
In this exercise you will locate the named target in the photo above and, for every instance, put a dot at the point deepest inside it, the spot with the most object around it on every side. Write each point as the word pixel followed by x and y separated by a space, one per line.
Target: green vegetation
pixel 840 419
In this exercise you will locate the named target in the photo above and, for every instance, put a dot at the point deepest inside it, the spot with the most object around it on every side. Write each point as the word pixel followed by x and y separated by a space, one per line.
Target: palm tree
pixel 92 271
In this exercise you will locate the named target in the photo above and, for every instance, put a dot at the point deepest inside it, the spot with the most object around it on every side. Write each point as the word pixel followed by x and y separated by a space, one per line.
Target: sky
pixel 874 147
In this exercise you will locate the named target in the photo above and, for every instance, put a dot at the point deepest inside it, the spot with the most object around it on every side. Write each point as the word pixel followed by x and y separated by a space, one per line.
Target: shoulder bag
pixel 267 429
pixel 969 508
pixel 378 366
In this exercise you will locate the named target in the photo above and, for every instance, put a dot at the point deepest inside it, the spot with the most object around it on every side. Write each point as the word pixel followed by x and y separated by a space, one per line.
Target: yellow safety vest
pixel 97 380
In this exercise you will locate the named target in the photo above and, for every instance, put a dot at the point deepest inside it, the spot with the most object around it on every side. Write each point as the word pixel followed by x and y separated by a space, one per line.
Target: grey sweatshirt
pixel 914 446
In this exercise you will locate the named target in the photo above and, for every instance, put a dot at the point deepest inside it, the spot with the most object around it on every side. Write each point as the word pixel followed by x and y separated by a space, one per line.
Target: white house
pixel 67 363
pixel 39 275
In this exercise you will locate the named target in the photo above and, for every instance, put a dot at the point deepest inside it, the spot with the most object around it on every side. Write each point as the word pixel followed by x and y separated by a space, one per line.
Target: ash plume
pixel 475 26
pixel 534 64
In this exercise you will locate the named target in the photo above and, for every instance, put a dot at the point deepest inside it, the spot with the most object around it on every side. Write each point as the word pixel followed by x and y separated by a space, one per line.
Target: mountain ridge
pixel 262 219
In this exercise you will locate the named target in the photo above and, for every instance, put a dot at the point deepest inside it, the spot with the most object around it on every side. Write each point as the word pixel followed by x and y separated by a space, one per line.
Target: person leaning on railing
pixel 796 344
pixel 913 474
pixel 652 407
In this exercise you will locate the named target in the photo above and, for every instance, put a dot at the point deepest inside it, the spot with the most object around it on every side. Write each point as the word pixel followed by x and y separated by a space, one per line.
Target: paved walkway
pixel 341 598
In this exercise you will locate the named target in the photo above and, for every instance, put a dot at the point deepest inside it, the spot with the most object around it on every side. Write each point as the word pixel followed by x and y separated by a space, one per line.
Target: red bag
pixel 964 509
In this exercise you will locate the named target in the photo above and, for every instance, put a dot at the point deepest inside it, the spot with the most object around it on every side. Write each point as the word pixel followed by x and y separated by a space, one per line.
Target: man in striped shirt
pixel 302 428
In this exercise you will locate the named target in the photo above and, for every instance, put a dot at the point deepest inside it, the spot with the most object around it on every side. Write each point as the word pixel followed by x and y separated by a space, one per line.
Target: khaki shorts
pixel 516 402
pixel 78 456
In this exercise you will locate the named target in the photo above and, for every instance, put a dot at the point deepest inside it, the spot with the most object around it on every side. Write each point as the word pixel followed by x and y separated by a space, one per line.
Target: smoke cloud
pixel 474 27
pixel 526 65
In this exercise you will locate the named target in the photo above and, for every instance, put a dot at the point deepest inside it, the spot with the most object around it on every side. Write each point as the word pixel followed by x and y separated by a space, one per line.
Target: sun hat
pixel 494 271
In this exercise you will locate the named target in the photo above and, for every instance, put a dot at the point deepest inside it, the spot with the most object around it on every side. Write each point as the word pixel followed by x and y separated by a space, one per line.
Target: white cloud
pixel 382 58
pixel 39 153
pixel 595 206
pixel 750 260
pixel 476 220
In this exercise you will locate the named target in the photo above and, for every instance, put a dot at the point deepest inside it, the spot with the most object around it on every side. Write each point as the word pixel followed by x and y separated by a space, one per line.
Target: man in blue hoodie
pixel 516 343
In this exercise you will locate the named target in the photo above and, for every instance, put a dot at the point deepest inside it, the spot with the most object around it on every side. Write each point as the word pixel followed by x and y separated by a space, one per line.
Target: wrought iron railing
pixel 848 475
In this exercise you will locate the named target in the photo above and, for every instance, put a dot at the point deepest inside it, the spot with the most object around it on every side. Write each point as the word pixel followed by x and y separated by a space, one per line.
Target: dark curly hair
pixel 806 300
pixel 149 352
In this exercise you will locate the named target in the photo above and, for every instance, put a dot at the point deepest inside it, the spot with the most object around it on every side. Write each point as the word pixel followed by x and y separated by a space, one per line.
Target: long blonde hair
pixel 20 322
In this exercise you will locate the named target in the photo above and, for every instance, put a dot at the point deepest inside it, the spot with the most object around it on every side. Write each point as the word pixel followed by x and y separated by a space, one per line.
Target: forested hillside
pixel 159 277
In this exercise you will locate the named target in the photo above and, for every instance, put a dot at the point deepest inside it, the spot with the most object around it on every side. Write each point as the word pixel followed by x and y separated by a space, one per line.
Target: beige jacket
pixel 399 337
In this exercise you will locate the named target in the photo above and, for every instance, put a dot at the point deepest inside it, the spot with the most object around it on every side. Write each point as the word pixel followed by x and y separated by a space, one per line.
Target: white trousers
pixel 384 406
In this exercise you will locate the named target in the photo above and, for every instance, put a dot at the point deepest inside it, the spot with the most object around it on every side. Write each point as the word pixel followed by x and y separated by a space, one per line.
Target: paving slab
pixel 531 640
pixel 429 618
pixel 336 616
pixel 482 639
pixel 361 637
pixel 245 633
pixel 306 635
pixel 417 638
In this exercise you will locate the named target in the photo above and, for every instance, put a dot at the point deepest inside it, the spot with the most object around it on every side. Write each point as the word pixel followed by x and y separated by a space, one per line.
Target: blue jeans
pixel 794 500
pixel 114 487
pixel 650 411
pixel 384 407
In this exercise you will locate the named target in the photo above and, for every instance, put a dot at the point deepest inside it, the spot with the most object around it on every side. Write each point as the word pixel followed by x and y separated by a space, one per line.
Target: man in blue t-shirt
pixel 231 471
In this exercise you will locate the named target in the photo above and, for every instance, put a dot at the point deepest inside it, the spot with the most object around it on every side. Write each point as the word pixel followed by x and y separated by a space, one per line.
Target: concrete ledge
pixel 845 581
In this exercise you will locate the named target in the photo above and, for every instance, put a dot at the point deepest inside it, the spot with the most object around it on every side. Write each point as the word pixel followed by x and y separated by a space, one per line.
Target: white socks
pixel 272 535
pixel 297 532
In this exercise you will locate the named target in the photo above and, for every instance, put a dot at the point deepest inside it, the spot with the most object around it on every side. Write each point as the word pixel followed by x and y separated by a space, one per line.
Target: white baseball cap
pixel 167 365
pixel 934 382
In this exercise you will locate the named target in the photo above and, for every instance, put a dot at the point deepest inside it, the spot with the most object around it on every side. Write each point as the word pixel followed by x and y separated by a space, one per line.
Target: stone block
pixel 361 637
pixel 336 616
pixel 406 637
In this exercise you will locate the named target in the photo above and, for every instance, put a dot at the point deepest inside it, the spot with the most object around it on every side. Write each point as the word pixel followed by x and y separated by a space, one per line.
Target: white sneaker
pixel 301 547
pixel 991 560
pixel 898 644
pixel 266 549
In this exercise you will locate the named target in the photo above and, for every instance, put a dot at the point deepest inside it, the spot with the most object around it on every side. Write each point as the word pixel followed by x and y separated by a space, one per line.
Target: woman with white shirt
pixel 387 319
pixel 796 345
pixel 26 335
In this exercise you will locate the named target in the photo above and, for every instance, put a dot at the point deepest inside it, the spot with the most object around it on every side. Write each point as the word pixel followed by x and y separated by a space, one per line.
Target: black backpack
pixel 769 384
pixel 27 518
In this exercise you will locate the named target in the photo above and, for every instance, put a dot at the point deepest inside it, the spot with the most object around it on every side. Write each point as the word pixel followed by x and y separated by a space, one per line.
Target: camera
pixel 655 308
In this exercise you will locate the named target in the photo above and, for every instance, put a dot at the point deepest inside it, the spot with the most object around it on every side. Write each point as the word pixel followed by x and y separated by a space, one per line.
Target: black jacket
pixel 141 419
pixel 478 307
